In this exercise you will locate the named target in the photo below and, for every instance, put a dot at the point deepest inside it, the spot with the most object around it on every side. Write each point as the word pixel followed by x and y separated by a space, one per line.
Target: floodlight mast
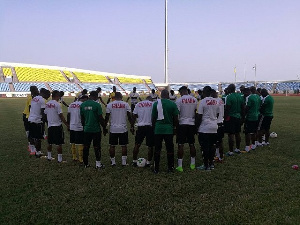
pixel 166 42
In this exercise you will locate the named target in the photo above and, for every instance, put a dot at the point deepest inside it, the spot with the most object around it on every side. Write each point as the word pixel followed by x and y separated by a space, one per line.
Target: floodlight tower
pixel 166 42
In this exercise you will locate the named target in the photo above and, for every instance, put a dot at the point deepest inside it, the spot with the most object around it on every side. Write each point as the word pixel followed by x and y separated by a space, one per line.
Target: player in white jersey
pixel 220 132
pixel 76 128
pixel 154 96
pixel 99 96
pixel 117 111
pixel 133 96
pixel 172 96
pixel 55 118
pixel 35 119
pixel 187 106
pixel 143 113
pixel 208 111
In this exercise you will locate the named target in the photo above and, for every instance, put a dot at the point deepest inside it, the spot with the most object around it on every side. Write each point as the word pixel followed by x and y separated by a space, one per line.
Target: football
pixel 273 135
pixel 141 162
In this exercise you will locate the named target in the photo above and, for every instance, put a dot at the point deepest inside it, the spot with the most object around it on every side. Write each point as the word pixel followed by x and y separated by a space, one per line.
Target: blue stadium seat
pixel 152 86
pixel 94 86
pixel 200 86
pixel 25 87
pixel 139 87
pixel 4 87
pixel 66 87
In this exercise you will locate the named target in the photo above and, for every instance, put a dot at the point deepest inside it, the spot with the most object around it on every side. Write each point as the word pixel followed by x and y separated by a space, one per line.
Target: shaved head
pixel 165 94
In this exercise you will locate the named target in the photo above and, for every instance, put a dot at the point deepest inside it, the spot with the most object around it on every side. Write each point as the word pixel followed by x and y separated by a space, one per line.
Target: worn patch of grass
pixel 255 188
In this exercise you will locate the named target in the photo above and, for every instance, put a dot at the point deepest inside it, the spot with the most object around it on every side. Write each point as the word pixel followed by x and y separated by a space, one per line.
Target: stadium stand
pixel 175 87
pixel 4 87
pixel 196 87
pixel 105 87
pixel 289 87
pixel 68 74
pixel 148 81
pixel 66 87
pixel 268 86
pixel 25 87
pixel 139 87
pixel 7 72
pixel 127 80
pixel 39 75
pixel 89 78
pixel 152 86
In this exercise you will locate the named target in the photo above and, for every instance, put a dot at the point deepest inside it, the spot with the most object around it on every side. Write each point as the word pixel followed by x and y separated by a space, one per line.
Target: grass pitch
pixel 255 188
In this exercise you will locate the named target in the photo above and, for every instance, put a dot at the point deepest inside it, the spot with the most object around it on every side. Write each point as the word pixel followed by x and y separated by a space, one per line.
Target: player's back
pixel 52 110
pixel 187 106
pixel 91 111
pixel 144 110
pixel 235 101
pixel 209 108
pixel 35 115
pixel 118 116
pixel 75 118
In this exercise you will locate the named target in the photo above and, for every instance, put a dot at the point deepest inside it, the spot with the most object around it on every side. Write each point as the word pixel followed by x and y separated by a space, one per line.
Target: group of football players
pixel 156 119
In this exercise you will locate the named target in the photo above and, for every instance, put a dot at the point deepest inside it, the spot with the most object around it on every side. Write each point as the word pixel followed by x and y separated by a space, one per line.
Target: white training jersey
pixel 144 111
pixel 154 97
pixel 221 111
pixel 134 98
pixel 35 115
pixel 118 116
pixel 75 117
pixel 52 110
pixel 187 106
pixel 209 108
pixel 173 97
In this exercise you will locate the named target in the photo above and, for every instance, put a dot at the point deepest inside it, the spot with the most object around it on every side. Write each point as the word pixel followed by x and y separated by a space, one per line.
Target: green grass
pixel 255 188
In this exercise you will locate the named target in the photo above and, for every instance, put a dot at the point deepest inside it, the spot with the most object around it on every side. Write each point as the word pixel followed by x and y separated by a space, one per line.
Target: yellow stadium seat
pixel 90 78
pixel 39 74
pixel 127 80
pixel 7 72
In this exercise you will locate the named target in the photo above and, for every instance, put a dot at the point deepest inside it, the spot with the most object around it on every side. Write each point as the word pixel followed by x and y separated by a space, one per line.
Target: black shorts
pixel 233 125
pixel 265 123
pixel 76 137
pixel 250 127
pixel 26 123
pixel 118 138
pixel 36 130
pixel 88 137
pixel 185 134
pixel 220 132
pixel 207 140
pixel 56 135
pixel 142 132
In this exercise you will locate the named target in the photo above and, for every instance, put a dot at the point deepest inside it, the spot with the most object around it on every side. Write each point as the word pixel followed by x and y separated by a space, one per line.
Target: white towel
pixel 160 111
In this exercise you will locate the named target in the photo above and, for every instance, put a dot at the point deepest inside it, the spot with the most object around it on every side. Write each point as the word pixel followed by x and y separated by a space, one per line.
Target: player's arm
pixel 108 100
pixel 68 118
pixel 127 99
pixel 65 104
pixel 82 120
pixel 61 116
pixel 103 124
pixel 107 118
pixel 44 116
pixel 175 124
pixel 101 100
pixel 134 116
pixel 243 112
pixel 129 117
